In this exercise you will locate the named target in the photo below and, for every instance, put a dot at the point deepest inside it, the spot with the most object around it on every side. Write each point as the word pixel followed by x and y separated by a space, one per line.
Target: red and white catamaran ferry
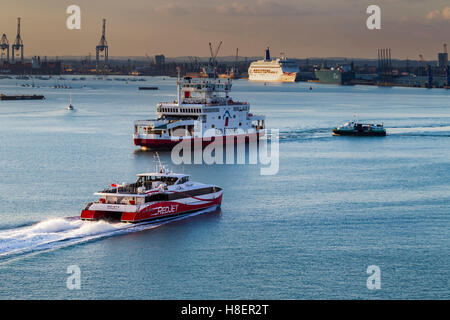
pixel 156 195
pixel 203 111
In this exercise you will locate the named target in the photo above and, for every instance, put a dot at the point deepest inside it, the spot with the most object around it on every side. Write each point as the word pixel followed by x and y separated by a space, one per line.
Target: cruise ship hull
pixel 284 77
pixel 160 143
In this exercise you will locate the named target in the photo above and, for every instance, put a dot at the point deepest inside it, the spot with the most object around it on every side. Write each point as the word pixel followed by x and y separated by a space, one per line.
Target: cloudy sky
pixel 301 28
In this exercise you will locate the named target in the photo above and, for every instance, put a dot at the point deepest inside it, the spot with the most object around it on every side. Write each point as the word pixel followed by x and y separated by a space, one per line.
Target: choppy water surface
pixel 336 206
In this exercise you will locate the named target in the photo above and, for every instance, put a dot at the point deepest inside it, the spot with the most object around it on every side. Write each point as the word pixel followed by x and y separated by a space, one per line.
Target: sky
pixel 299 28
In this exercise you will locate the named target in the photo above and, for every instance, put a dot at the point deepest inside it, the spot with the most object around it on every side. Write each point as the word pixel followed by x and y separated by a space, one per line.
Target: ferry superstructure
pixel 202 113
pixel 277 70
pixel 156 195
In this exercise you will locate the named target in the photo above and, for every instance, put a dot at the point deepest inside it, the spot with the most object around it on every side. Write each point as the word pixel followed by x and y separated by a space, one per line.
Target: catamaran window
pixel 147 180
pixel 157 197
pixel 149 130
pixel 183 180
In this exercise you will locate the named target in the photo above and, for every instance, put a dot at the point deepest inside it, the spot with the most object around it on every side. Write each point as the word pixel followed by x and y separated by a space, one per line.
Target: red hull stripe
pixel 166 208
pixel 169 143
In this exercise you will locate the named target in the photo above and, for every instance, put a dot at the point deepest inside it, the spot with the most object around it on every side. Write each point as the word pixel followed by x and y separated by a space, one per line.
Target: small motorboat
pixel 355 128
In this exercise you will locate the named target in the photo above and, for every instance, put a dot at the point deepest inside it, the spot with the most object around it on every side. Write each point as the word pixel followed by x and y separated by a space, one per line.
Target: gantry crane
pixel 428 70
pixel 236 68
pixel 4 46
pixel 212 60
pixel 102 47
pixel 18 43
pixel 194 63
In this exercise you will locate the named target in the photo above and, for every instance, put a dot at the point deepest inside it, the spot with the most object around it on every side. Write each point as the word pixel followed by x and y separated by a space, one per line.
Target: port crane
pixel 236 69
pixel 102 47
pixel 210 70
pixel 18 43
pixel 428 70
pixel 233 72
pixel 194 63
pixel 4 46
pixel 212 60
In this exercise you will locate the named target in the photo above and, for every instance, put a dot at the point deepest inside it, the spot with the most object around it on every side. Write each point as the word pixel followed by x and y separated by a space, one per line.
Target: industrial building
pixel 443 58
pixel 160 59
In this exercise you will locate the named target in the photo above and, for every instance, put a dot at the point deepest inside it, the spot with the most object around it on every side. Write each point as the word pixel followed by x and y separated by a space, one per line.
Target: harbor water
pixel 336 206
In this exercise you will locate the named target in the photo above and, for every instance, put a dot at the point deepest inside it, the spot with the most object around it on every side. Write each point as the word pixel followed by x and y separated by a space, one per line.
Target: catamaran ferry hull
pixel 158 143
pixel 156 211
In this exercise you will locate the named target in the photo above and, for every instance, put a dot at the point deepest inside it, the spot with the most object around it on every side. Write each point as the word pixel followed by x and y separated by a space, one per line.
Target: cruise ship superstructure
pixel 276 70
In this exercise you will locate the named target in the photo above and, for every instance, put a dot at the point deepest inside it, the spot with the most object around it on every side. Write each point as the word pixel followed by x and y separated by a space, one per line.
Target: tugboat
pixel 157 195
pixel 202 113
pixel 355 128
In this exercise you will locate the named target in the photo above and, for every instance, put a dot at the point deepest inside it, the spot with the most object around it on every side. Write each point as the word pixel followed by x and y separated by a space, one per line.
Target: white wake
pixel 418 130
pixel 61 232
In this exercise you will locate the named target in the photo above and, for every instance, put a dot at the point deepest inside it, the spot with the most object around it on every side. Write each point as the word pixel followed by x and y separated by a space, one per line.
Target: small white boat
pixel 70 106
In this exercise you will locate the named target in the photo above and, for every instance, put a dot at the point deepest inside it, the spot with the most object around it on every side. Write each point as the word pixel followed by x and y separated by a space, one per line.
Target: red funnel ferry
pixel 156 195
pixel 203 112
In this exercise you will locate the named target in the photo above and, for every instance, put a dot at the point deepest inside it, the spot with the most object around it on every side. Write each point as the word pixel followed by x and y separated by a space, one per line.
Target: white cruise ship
pixel 278 70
